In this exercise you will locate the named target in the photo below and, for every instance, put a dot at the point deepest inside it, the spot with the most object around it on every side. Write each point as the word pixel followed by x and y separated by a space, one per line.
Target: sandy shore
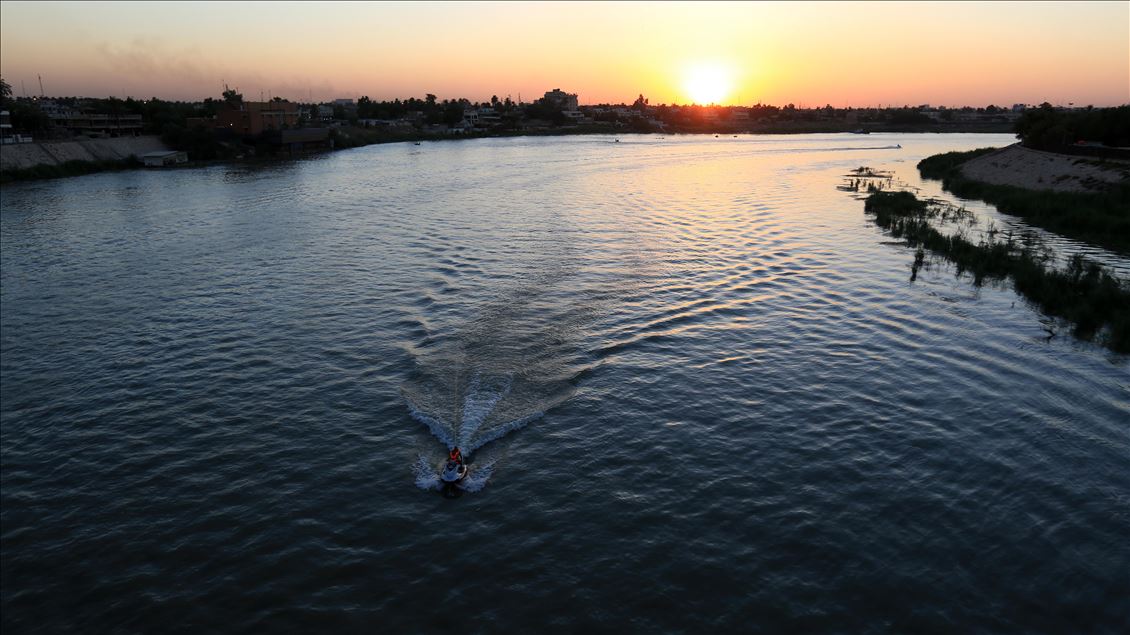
pixel 1038 170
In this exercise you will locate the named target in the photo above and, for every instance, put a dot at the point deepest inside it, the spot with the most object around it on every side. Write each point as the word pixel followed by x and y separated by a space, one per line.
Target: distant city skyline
pixel 810 54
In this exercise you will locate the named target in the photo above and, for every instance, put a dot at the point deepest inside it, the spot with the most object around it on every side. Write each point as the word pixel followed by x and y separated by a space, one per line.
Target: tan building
pixel 255 117
pixel 560 100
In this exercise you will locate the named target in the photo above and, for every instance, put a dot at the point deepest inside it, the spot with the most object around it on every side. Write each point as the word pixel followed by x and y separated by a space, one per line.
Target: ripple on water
pixel 694 384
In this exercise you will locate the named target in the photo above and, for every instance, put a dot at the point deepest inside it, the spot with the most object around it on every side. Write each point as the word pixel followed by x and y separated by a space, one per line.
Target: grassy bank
pixel 1085 294
pixel 939 166
pixel 68 168
pixel 1100 218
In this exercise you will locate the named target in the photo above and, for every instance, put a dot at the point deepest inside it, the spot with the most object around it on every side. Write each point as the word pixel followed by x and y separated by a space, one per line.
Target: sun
pixel 708 82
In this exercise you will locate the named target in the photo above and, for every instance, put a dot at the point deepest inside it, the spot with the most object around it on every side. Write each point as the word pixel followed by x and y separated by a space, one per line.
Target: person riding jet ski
pixel 454 470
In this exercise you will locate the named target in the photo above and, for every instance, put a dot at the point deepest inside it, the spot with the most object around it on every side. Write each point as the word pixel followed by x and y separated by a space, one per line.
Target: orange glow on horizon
pixel 729 53
pixel 708 82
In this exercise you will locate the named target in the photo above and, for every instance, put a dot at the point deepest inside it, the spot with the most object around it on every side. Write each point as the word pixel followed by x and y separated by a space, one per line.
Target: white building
pixel 488 117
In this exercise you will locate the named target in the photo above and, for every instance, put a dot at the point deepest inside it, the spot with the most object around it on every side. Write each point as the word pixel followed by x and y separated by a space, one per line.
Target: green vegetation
pixel 1085 294
pixel 1046 128
pixel 1101 218
pixel 69 168
pixel 940 166
pixel 25 116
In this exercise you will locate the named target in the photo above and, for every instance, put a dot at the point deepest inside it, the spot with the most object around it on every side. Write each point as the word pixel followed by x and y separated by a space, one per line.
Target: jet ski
pixel 454 469
pixel 453 472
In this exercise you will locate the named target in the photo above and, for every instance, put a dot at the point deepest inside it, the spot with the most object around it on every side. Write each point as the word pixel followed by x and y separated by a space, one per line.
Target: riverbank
pixel 1077 197
pixel 53 159
pixel 69 168
pixel 1030 169
pixel 22 156
pixel 1095 302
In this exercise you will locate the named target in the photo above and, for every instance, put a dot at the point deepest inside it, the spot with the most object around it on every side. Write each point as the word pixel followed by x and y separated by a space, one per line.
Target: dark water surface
pixel 699 391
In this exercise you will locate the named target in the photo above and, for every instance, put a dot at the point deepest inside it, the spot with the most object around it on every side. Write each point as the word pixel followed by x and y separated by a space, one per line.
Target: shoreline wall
pixel 54 153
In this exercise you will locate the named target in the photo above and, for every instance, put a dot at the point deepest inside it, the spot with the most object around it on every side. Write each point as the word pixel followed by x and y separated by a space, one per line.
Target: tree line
pixel 1046 128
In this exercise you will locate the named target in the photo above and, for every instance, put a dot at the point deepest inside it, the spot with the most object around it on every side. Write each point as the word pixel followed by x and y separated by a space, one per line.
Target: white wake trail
pixel 438 428
pixel 477 406
pixel 426 477
pixel 497 432
pixel 482 399
pixel 477 477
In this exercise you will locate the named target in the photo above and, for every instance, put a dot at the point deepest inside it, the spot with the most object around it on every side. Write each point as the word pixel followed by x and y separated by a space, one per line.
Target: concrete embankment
pixel 53 153
pixel 1030 169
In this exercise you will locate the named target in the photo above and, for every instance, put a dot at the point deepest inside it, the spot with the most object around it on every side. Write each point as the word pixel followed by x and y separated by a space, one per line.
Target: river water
pixel 698 389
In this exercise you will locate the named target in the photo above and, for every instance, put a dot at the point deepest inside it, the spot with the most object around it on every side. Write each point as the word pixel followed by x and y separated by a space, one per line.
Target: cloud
pixel 148 66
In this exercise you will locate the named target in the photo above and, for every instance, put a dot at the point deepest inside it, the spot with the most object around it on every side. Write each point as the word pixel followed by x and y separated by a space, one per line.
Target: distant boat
pixel 416 143
pixel 861 131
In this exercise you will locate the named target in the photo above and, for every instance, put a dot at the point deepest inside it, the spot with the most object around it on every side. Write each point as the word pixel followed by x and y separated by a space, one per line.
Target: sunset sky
pixel 810 54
